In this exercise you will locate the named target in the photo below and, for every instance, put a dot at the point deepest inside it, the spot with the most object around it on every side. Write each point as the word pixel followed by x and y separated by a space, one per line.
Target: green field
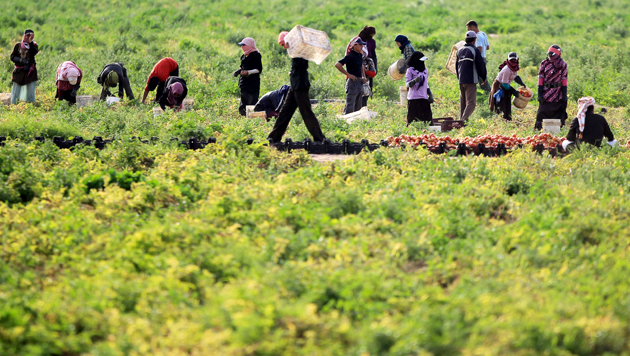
pixel 242 250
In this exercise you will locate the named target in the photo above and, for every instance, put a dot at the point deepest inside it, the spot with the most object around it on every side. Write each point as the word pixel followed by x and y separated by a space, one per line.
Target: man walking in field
pixel 297 97
pixel 471 70
pixel 483 45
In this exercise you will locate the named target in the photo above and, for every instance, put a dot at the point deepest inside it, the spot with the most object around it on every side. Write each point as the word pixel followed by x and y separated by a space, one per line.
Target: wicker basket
pixel 451 63
pixel 394 70
pixel 308 43
pixel 521 101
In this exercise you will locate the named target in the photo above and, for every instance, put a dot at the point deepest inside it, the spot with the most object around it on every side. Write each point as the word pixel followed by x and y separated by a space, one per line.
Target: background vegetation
pixel 241 250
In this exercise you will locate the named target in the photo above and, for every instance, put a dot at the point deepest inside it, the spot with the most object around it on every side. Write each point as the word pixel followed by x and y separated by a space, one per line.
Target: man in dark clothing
pixel 249 81
pixel 271 102
pixel 470 66
pixel 355 75
pixel 297 97
pixel 112 75
pixel 553 78
pixel 588 127
pixel 175 91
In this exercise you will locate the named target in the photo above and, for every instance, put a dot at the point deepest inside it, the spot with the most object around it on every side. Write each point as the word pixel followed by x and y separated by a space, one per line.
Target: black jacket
pixel 28 71
pixel 595 128
pixel 466 64
pixel 164 97
pixel 123 80
pixel 251 83
pixel 299 74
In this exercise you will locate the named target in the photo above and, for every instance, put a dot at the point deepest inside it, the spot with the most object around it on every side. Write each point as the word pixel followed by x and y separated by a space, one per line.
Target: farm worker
pixel 175 91
pixel 370 73
pixel 68 81
pixel 470 69
pixel 552 88
pixel 249 80
pixel 367 36
pixel 588 127
pixel 405 46
pixel 297 97
pixel 166 67
pixel 112 75
pixel 272 101
pixel 417 78
pixel 355 75
pixel 484 45
pixel 502 92
pixel 24 76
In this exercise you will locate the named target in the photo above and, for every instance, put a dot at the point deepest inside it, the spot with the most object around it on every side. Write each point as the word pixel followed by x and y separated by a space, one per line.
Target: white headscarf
pixel 351 44
pixel 583 105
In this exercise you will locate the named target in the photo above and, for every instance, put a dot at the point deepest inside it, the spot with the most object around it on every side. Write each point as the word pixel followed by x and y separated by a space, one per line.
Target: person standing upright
pixel 483 45
pixel 297 97
pixel 355 75
pixel 249 72
pixel 367 36
pixel 166 67
pixel 417 80
pixel 470 70
pixel 552 88
pixel 25 69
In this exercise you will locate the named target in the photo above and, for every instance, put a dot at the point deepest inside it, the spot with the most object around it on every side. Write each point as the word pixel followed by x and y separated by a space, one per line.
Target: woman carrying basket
pixel 502 92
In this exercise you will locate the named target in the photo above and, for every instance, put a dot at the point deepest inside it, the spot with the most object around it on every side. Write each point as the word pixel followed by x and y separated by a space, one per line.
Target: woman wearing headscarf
pixel 552 87
pixel 355 75
pixel 404 45
pixel 417 79
pixel 25 69
pixel 68 81
pixel 112 75
pixel 588 127
pixel 501 94
pixel 367 36
pixel 297 97
pixel 166 67
pixel 175 91
pixel 249 72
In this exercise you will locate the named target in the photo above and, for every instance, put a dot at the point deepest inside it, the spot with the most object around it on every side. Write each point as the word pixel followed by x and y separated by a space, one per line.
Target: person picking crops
pixel 470 68
pixel 502 92
pixel 355 75
pixel 112 75
pixel 483 45
pixel 588 127
pixel 68 82
pixel 271 102
pixel 417 78
pixel 165 68
pixel 25 68
pixel 406 49
pixel 249 74
pixel 175 91
pixel 367 36
pixel 297 97
pixel 553 77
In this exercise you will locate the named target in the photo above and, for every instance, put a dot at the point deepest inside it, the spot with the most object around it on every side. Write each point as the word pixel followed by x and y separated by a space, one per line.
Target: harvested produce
pixel 525 93
pixel 548 140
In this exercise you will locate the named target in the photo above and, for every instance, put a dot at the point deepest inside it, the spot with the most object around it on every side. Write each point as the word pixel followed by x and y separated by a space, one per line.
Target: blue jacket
pixel 470 63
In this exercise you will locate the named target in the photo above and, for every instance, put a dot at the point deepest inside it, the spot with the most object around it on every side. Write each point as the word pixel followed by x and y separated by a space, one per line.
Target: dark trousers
pixel 505 105
pixel 247 99
pixel 124 82
pixel 556 110
pixel 419 110
pixel 160 87
pixel 66 95
pixel 296 99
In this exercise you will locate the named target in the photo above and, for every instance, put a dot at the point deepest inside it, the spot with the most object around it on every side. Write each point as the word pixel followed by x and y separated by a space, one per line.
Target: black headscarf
pixel 403 40
pixel 415 62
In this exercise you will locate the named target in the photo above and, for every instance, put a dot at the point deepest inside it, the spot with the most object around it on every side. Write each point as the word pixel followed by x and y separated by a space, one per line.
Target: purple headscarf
pixel 176 88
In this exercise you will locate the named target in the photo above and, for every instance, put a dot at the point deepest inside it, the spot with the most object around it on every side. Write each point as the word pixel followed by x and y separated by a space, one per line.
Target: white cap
pixel 72 80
